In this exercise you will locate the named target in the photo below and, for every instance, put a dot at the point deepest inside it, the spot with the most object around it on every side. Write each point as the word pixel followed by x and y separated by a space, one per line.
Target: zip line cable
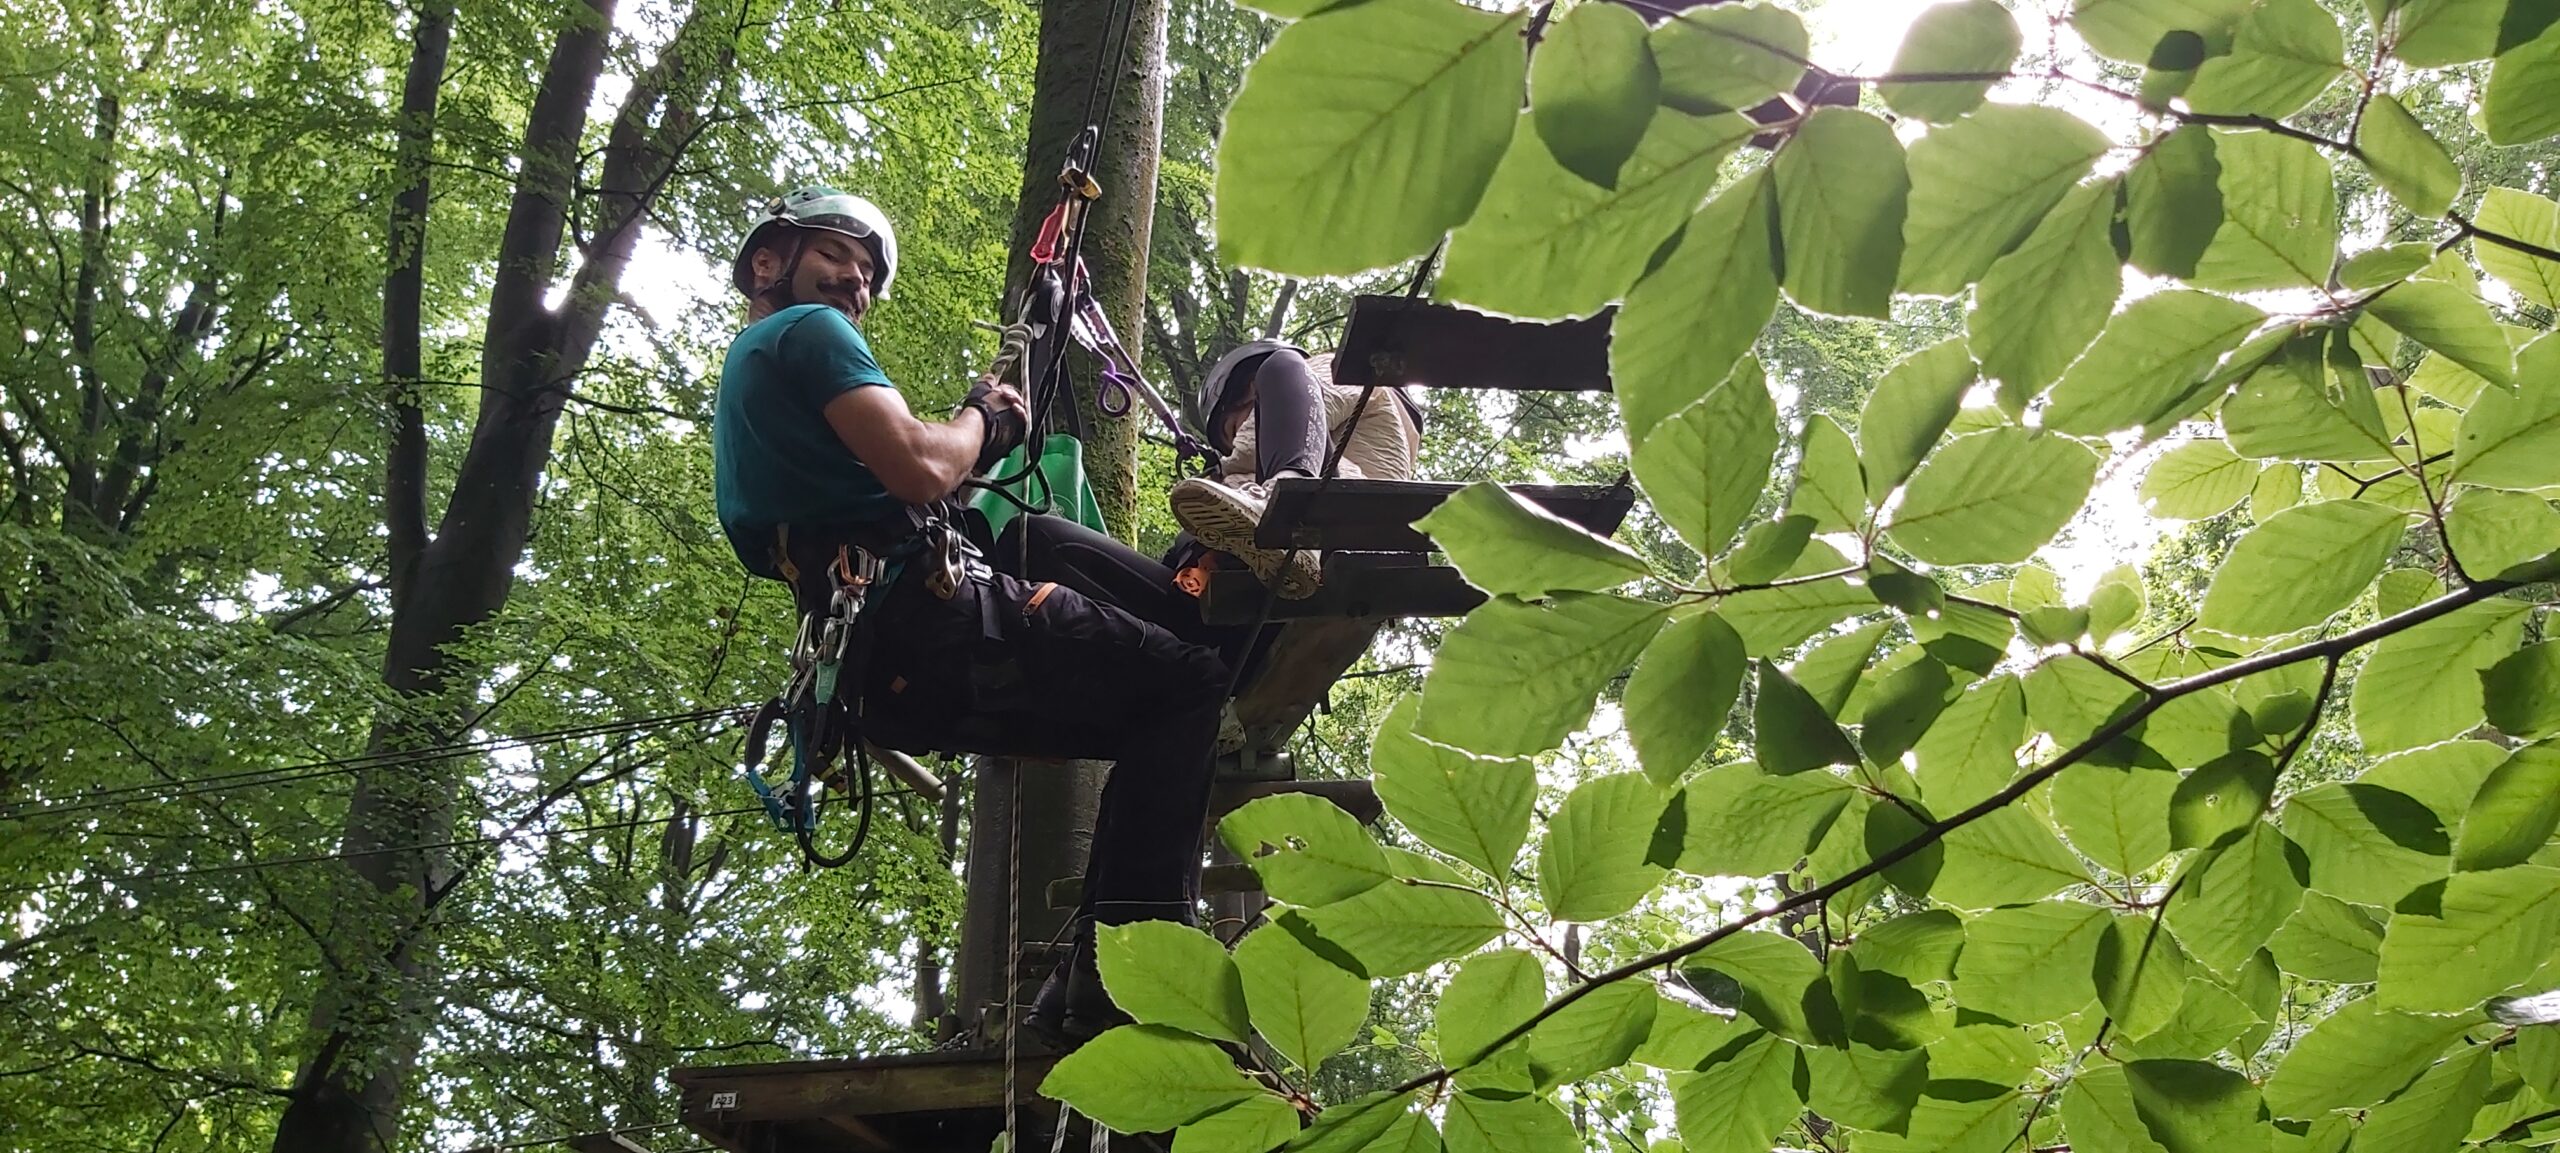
pixel 103 798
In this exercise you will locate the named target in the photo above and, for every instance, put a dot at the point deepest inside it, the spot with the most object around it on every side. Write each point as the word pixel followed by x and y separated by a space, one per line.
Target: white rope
pixel 1013 956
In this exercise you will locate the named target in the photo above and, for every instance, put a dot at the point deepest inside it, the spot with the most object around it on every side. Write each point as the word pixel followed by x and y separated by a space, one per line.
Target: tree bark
pixel 1073 36
pixel 1057 801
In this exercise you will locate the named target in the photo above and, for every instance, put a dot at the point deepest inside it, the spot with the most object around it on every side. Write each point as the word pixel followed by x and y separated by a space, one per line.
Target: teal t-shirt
pixel 775 460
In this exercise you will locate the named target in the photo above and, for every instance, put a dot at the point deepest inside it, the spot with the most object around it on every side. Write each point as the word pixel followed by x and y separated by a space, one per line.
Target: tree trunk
pixel 1073 36
pixel 370 1017
pixel 1057 800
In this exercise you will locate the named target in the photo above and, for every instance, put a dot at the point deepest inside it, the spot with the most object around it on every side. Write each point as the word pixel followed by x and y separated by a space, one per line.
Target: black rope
pixel 105 798
pixel 1102 96
pixel 1333 458
pixel 429 846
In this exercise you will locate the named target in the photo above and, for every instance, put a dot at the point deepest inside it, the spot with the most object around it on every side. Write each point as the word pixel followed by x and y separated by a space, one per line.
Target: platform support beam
pixel 1059 799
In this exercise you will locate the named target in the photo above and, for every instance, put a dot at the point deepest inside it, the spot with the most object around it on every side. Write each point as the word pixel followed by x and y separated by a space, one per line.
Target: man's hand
pixel 1000 406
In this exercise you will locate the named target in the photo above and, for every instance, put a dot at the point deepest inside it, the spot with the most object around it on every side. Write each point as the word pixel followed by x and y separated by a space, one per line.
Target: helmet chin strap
pixel 790 272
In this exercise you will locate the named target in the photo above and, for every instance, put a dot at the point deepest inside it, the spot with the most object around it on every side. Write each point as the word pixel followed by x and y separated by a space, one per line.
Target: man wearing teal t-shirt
pixel 1086 654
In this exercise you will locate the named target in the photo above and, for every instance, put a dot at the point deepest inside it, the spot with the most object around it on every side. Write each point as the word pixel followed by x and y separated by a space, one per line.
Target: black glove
pixel 1005 430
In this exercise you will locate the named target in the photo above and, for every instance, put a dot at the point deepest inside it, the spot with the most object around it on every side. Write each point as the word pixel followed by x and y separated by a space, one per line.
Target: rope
pixel 1333 459
pixel 1012 960
pixel 457 843
pixel 104 798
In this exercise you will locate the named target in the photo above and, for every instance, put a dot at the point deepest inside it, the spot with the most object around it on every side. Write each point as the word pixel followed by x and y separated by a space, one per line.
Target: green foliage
pixel 2284 54
pixel 2489 932
pixel 1438 86
pixel 1682 688
pixel 1843 188
pixel 1959 36
pixel 1993 497
pixel 1547 242
pixel 1304 849
pixel 1490 994
pixel 1168 974
pixel 2528 218
pixel 2148 360
pixel 1908 411
pixel 1303 1005
pixel 1740 1098
pixel 1506 545
pixel 2357 1056
pixel 1473 808
pixel 1704 466
pixel 1525 674
pixel 1682 331
pixel 2300 566
pixel 1148 1078
pixel 1595 862
pixel 1730 59
pixel 2093 943
pixel 1592 88
pixel 2512 816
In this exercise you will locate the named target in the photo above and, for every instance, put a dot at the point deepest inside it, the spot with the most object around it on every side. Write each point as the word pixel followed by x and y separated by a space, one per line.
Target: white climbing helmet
pixel 830 210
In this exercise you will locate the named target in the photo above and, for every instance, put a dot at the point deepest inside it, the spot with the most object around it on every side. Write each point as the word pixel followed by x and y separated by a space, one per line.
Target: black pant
pixel 1072 655
pixel 1288 417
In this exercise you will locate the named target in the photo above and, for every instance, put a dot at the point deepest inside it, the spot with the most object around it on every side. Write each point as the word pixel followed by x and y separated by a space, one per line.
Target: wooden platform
pixel 916 1103
pixel 1297 671
pixel 1390 340
pixel 1378 515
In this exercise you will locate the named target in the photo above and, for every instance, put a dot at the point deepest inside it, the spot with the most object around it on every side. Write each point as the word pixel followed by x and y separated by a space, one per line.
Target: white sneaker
pixel 1224 515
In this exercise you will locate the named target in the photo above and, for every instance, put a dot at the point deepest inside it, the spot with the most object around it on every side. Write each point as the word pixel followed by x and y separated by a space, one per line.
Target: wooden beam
pixel 867 1087
pixel 859 1131
pixel 1358 797
pixel 1296 671
pixel 1377 515
pixel 1216 880
pixel 604 1143
pixel 1391 340
pixel 1235 598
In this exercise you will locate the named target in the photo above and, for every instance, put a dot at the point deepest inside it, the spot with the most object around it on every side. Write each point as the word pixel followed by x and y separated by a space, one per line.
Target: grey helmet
pixel 1200 408
pixel 829 210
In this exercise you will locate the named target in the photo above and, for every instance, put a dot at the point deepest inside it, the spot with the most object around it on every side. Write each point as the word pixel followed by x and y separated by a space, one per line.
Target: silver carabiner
pixel 950 563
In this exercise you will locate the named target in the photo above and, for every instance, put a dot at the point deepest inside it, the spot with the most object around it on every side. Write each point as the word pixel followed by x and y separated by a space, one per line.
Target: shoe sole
pixel 1225 524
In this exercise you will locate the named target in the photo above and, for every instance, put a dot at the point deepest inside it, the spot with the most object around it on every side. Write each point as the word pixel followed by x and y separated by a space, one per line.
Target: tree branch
pixel 404 501
pixel 2328 649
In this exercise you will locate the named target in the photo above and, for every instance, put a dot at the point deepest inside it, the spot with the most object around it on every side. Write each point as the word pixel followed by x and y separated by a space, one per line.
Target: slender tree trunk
pixel 1057 802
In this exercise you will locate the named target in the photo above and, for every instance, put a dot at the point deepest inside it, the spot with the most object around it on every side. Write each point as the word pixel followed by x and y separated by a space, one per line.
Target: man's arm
pixel 917 461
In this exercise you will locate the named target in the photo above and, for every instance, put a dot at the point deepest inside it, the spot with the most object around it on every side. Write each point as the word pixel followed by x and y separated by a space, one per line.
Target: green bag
pixel 1066 494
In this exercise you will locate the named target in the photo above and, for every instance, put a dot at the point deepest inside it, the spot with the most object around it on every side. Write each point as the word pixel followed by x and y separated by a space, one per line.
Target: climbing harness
pixel 832 648
pixel 820 709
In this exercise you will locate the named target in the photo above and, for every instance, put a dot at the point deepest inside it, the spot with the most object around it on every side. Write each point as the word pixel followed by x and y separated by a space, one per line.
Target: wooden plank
pixel 1378 515
pixel 1235 598
pixel 1302 663
pixel 604 1143
pixel 870 1087
pixel 860 1132
pixel 1390 340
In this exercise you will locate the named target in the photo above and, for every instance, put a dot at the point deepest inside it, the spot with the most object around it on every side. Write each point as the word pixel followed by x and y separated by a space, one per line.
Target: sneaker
pixel 1224 517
